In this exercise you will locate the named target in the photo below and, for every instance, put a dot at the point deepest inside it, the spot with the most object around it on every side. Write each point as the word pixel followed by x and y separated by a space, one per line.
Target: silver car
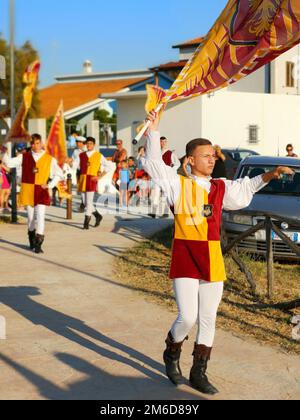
pixel 280 197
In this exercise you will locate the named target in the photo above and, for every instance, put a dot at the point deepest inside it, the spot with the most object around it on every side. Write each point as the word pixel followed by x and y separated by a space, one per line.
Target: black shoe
pixel 87 220
pixel 98 217
pixel 198 378
pixel 39 240
pixel 172 359
pixel 81 208
pixel 32 238
pixel 152 215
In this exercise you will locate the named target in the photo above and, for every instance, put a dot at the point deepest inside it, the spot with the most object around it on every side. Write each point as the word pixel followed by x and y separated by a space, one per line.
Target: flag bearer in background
pixel 37 168
pixel 197 267
pixel 92 166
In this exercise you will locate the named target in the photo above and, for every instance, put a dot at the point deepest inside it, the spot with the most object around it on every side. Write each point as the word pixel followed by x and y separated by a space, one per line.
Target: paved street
pixel 74 333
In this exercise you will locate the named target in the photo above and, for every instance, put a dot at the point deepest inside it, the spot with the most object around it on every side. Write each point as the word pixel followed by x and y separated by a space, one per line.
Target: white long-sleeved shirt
pixel 56 174
pixel 104 164
pixel 238 194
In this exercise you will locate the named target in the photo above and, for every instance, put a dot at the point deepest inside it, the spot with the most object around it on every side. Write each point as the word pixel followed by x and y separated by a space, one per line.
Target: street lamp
pixel 14 211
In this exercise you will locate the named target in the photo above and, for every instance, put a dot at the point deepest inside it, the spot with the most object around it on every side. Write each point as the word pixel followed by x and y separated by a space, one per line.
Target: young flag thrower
pixel 248 35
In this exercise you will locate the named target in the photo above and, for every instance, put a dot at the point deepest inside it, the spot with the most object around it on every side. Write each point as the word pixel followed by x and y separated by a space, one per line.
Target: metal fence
pixel 269 225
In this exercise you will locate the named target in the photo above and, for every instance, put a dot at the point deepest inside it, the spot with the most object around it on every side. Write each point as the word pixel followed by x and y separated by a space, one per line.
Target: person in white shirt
pixel 92 166
pixel 37 168
pixel 197 268
pixel 80 148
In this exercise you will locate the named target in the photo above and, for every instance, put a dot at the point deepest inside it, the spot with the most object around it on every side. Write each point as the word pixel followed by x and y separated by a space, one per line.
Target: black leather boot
pixel 172 359
pixel 198 378
pixel 31 237
pixel 98 217
pixel 87 220
pixel 39 240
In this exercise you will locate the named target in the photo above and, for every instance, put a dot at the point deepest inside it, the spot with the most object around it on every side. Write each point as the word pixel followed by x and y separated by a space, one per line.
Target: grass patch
pixel 5 219
pixel 145 268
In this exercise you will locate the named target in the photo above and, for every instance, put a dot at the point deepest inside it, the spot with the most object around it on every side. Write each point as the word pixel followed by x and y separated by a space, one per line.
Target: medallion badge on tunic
pixel 208 210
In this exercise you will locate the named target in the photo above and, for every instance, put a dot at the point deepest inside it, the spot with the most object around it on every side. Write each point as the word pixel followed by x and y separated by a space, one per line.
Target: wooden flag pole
pixel 145 128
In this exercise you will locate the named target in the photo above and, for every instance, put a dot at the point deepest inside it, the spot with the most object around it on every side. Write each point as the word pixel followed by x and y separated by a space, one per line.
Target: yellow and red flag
pixel 248 35
pixel 56 143
pixel 57 147
pixel 155 97
pixel 18 132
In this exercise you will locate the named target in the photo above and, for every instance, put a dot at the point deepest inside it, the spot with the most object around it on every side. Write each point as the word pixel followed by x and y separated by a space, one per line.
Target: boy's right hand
pixel 153 117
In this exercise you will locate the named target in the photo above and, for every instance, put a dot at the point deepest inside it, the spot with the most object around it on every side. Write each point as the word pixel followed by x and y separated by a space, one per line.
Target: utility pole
pixel 14 211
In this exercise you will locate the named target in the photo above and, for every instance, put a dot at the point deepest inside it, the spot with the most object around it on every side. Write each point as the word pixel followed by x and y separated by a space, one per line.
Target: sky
pixel 114 35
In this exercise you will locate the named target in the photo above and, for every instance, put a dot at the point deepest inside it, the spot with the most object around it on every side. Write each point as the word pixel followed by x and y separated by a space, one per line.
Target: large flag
pixel 57 147
pixel 248 35
pixel 56 143
pixel 18 132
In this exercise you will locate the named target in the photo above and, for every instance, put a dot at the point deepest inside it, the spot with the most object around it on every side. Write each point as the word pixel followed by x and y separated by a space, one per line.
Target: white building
pixel 260 112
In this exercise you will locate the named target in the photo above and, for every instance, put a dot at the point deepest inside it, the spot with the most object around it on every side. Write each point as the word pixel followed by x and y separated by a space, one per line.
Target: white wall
pixel 181 122
pixel 223 118
pixel 254 83
pixel 227 116
pixel 129 111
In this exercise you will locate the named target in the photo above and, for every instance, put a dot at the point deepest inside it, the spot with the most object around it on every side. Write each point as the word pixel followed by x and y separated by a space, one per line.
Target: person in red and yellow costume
pixel 197 267
pixel 38 167
pixel 92 166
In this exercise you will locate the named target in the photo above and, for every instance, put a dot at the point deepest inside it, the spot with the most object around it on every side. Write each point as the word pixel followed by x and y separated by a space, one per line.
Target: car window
pixel 286 186
pixel 239 155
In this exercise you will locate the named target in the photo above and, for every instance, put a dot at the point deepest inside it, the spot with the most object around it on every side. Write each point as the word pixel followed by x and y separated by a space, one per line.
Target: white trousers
pixel 198 302
pixel 88 201
pixel 36 219
pixel 158 201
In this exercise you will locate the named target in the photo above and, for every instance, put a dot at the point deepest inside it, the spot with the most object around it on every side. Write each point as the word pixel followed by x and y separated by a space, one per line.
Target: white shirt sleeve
pixel 175 162
pixel 240 193
pixel 13 162
pixel 162 175
pixel 56 174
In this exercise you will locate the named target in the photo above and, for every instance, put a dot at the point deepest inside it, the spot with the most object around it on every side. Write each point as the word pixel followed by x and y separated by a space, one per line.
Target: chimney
pixel 87 67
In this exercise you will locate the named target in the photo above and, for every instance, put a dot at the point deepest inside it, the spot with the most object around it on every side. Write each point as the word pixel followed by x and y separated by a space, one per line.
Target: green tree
pixel 24 56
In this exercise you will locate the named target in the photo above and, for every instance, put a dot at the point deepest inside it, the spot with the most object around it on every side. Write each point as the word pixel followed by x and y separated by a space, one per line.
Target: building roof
pixel 191 43
pixel 171 65
pixel 76 94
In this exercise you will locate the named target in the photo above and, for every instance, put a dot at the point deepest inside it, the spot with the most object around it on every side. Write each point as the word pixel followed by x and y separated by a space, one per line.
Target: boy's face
pixel 90 146
pixel 131 163
pixel 203 161
pixel 37 146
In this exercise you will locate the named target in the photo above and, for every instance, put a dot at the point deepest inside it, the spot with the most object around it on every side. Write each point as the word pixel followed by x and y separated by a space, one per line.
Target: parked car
pixel 280 197
pixel 108 152
pixel 234 158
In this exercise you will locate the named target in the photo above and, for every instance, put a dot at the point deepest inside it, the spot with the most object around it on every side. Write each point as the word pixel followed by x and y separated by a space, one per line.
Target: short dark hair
pixel 192 145
pixel 163 138
pixel 35 137
pixel 91 139
pixel 289 146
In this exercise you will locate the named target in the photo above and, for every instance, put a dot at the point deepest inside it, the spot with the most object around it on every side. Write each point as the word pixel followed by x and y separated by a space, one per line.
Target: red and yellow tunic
pixel 197 252
pixel 89 169
pixel 34 175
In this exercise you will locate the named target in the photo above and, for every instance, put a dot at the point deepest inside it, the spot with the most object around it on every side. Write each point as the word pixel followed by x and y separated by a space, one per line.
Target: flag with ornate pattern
pixel 56 143
pixel 248 35
pixel 18 132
